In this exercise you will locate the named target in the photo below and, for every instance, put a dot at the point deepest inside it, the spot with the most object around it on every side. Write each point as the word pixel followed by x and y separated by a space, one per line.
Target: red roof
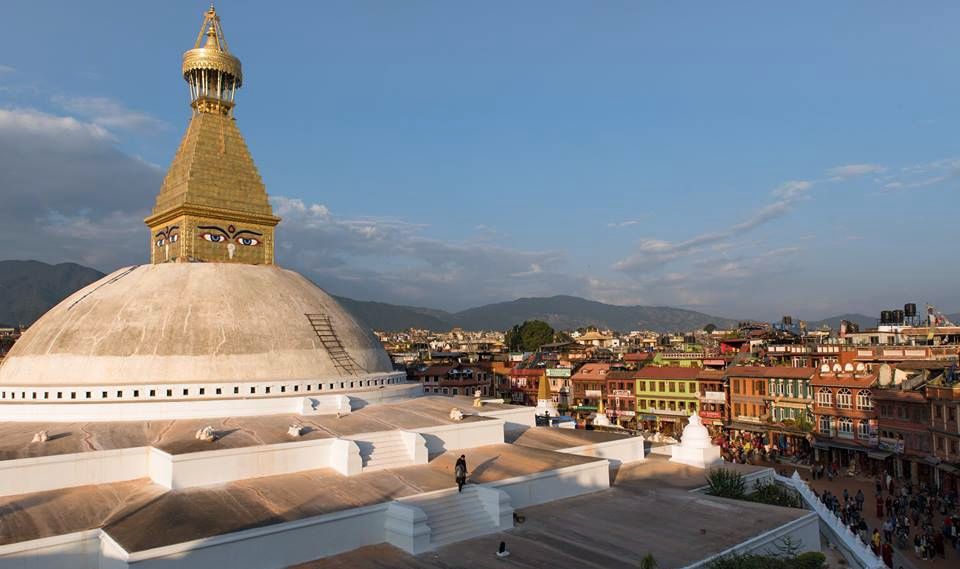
pixel 674 372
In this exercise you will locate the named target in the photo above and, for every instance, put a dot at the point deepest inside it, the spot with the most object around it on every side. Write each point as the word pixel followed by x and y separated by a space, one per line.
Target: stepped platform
pixel 177 436
pixel 649 510
pixel 141 516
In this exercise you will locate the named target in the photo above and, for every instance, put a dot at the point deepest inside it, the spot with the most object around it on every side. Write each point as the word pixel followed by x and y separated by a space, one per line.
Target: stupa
pixel 545 404
pixel 695 447
pixel 211 319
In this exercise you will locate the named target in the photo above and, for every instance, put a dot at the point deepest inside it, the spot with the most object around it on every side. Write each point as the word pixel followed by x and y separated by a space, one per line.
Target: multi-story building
pixel 713 399
pixel 621 398
pixel 903 422
pixel 588 385
pixel 775 402
pixel 524 383
pixel 666 396
pixel 943 395
pixel 457 379
pixel 845 419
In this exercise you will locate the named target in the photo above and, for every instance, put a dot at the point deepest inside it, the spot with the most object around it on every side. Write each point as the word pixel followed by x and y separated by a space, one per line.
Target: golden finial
pixel 213 73
pixel 600 409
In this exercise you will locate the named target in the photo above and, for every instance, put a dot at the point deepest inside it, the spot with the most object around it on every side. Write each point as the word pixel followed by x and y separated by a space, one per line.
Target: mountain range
pixel 30 288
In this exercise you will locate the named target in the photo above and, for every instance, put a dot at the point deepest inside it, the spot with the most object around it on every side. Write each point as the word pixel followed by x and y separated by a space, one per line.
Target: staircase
pixel 456 516
pixel 383 450
pixel 342 359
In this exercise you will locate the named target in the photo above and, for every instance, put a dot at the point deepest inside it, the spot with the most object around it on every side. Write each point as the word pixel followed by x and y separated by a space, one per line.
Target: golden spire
pixel 212 205
pixel 214 75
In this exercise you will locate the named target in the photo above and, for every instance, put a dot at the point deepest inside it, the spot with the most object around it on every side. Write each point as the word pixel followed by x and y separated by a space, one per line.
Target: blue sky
pixel 748 160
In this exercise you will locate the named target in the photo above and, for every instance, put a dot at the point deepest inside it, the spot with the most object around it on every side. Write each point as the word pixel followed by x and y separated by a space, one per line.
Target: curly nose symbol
pixel 230 249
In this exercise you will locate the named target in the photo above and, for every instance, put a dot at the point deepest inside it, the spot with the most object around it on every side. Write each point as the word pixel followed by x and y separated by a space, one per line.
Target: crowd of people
pixel 913 516
pixel 748 448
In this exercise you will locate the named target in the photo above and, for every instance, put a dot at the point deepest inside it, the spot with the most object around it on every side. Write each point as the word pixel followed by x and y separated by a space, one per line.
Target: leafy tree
pixel 529 336
pixel 726 483
pixel 710 328
pixel 648 562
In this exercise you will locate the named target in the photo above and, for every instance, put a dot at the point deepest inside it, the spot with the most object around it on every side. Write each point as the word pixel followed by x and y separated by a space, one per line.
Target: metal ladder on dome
pixel 342 359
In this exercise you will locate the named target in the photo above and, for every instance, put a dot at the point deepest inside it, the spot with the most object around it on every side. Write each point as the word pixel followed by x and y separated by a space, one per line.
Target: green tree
pixel 529 336
pixel 709 328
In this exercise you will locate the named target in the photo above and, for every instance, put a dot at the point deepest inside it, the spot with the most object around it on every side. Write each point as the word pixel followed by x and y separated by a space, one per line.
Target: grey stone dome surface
pixel 192 322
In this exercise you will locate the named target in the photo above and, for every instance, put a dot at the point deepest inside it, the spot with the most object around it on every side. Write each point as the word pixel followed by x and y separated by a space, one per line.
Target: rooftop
pixel 609 529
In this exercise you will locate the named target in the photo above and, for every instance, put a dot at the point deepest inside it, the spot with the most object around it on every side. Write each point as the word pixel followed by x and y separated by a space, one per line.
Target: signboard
pixel 714 397
pixel 626 413
pixel 622 393
pixel 892 445
pixel 558 372
pixel 593 394
pixel 710 414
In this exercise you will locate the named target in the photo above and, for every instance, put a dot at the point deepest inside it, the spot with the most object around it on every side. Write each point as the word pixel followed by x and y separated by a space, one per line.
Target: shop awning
pixel 879 454
pixel 752 427
pixel 828 444
pixel 948 468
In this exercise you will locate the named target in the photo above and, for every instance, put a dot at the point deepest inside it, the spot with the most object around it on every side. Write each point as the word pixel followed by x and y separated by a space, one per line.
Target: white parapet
pixel 696 457
pixel 623 451
pixel 515 418
pixel 456 436
pixel 416 446
pixel 406 528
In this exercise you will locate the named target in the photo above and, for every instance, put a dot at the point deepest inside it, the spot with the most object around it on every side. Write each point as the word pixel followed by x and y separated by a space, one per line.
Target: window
pixel 641 404
pixel 119 394
pixel 673 387
pixel 937 412
pixel 864 430
pixel 682 406
pixel 844 426
pixel 736 409
pixel 693 407
pixel 693 387
pixel 641 386
pixel 153 393
pixel 682 387
pixel 760 387
pixel 825 425
pixel 236 390
pixel 844 398
pixel 102 395
pixel 663 387
pixel 736 386
pixel 673 405
pixel 864 399
pixel 169 393
pixel 825 397
pixel 219 391
pixel 253 390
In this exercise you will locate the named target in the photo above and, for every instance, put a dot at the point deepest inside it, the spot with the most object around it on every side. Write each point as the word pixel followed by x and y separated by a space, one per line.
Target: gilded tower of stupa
pixel 212 206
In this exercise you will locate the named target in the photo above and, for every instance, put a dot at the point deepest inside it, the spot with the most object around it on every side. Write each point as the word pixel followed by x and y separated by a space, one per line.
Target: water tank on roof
pixel 787 320
pixel 898 316
pixel 886 317
pixel 910 310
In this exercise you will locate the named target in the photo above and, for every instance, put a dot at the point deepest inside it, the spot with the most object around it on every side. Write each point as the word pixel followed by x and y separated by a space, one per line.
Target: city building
pixel 588 384
pixel 943 395
pixel 666 396
pixel 845 419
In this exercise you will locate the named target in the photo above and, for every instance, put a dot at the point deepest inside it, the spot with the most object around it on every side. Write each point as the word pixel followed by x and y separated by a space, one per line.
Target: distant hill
pixel 571 312
pixel 30 288
pixel 383 316
pixel 833 322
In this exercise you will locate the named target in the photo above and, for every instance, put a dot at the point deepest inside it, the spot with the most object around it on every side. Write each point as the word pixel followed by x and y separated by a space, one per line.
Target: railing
pixel 856 552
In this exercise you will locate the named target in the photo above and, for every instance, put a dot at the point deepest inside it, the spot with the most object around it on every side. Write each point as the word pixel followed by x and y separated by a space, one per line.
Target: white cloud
pixel 838 173
pixel 652 254
pixel 626 223
pixel 110 114
pixel 4 69
pixel 33 122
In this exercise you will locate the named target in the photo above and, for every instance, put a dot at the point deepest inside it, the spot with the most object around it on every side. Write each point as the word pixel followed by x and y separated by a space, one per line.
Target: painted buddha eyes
pixel 243 237
pixel 168 236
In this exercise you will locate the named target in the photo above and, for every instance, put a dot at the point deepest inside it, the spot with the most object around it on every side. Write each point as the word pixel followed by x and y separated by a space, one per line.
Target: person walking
pixel 460 471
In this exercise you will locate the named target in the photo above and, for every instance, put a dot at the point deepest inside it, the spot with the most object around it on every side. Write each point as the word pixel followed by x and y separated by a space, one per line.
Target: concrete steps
pixel 456 516
pixel 383 450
